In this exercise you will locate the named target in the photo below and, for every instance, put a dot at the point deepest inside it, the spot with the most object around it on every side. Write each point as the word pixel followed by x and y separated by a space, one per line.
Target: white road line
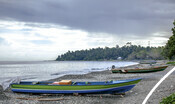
pixel 154 88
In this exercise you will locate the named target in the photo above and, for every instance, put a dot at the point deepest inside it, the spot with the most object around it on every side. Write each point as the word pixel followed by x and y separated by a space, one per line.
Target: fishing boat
pixel 68 87
pixel 148 62
pixel 139 70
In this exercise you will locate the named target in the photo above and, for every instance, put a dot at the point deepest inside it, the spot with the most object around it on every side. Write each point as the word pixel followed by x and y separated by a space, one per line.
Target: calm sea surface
pixel 45 70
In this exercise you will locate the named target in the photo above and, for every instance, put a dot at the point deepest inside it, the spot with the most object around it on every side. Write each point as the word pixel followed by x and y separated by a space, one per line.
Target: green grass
pixel 168 100
pixel 172 62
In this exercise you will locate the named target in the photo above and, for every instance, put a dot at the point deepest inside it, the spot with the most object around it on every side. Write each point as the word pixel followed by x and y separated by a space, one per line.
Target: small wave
pixel 55 74
pixel 97 68
pixel 70 72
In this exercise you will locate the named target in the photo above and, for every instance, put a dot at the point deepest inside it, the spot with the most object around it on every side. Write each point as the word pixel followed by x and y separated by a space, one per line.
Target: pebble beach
pixel 134 96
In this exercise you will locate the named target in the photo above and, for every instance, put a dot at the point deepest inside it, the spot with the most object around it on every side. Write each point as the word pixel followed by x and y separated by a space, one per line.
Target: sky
pixel 33 30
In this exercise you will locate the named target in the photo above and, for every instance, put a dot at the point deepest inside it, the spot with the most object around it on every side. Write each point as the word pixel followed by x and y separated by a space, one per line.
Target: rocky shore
pixel 134 96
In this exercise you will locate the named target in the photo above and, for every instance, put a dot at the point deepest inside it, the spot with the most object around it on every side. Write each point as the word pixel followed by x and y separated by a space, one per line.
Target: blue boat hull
pixel 100 91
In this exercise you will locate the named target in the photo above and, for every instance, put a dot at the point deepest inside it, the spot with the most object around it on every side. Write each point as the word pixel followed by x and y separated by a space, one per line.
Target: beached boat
pixel 106 87
pixel 140 70
pixel 148 62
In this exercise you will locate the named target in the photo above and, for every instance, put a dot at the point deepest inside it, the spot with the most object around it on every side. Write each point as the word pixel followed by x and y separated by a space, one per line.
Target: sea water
pixel 45 70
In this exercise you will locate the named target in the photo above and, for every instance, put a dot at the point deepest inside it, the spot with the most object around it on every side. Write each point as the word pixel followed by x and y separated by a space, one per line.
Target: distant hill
pixel 131 52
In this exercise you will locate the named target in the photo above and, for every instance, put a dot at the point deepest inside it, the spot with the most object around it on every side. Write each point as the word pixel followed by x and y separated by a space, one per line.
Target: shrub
pixel 169 100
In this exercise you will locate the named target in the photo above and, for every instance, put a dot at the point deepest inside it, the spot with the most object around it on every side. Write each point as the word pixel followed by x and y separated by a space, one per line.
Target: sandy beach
pixel 134 96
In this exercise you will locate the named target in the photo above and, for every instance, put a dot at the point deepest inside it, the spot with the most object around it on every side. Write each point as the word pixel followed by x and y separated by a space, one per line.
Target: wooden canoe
pixel 140 70
pixel 105 87
pixel 148 62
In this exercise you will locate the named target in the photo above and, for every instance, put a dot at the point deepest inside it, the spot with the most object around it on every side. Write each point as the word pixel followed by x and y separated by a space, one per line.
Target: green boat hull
pixel 114 86
pixel 140 70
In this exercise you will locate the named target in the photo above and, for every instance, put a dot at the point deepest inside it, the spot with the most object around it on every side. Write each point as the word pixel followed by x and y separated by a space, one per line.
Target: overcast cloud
pixel 114 16
pixel 104 22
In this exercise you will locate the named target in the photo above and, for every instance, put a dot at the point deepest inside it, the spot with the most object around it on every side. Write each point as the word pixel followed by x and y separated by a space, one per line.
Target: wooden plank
pixel 42 99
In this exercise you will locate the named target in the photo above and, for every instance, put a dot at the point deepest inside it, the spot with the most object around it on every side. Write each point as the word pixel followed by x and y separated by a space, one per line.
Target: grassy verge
pixel 168 100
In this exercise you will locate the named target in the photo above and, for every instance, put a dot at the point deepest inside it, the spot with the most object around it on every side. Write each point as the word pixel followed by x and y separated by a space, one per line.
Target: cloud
pixel 41 41
pixel 1 40
pixel 24 42
pixel 4 42
pixel 136 17
pixel 29 27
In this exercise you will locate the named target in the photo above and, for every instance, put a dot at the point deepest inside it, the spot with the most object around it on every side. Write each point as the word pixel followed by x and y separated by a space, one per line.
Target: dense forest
pixel 131 52
pixel 127 52
pixel 169 49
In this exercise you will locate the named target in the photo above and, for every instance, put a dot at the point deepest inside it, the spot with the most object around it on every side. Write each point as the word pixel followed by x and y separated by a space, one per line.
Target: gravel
pixel 134 96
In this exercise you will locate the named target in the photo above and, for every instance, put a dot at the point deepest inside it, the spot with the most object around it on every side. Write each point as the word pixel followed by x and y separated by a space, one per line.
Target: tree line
pixel 169 49
pixel 131 52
